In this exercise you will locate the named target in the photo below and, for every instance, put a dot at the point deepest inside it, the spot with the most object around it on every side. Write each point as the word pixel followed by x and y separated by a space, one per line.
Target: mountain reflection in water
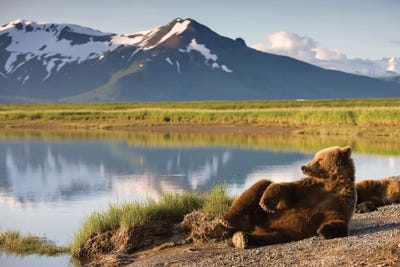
pixel 58 171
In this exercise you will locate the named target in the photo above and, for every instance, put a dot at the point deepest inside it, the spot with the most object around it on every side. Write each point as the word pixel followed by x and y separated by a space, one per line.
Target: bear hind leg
pixel 333 229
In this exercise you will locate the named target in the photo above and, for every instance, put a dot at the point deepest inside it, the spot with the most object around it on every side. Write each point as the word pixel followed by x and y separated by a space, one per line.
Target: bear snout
pixel 303 168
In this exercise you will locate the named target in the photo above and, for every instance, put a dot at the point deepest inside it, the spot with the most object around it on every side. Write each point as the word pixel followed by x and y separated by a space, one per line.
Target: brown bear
pixel 374 193
pixel 323 203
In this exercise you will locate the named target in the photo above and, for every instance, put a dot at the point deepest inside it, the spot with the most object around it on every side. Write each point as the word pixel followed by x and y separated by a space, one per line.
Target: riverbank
pixel 373 241
pixel 363 117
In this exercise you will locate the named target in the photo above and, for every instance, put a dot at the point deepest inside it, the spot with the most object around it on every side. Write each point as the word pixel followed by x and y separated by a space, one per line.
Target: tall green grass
pixel 219 105
pixel 312 112
pixel 15 243
pixel 294 117
pixel 172 207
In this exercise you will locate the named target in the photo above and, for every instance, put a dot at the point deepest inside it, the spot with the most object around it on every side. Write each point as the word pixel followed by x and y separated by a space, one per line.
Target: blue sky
pixel 355 28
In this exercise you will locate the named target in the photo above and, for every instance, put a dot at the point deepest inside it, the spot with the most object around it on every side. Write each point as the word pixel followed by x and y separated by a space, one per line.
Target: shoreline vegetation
pixel 372 240
pixel 355 117
pixel 13 242
pixel 170 207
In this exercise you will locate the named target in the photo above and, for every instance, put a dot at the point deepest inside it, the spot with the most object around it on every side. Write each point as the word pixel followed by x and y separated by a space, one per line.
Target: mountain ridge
pixel 182 60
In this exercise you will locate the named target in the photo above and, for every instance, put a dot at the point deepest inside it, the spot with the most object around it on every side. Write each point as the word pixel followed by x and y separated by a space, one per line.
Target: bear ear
pixel 346 151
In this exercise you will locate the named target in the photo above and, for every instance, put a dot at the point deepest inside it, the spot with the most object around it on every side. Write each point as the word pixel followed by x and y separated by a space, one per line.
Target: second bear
pixel 374 193
pixel 323 203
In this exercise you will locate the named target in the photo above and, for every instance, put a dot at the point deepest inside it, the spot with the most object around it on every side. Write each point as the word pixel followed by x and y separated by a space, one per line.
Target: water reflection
pixel 50 182
pixel 35 261
pixel 61 171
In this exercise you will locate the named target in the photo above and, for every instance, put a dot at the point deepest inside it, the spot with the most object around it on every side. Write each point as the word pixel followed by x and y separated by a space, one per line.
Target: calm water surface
pixel 48 185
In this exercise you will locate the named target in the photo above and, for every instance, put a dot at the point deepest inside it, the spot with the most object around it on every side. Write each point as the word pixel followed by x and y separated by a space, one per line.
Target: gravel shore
pixel 374 241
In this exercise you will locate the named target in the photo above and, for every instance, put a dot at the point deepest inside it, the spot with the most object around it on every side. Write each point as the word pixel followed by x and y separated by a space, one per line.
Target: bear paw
pixel 366 206
pixel 333 229
pixel 263 204
pixel 239 240
pixel 226 223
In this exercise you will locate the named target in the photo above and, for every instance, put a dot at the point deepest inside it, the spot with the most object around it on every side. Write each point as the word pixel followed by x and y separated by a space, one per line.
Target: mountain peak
pixel 163 33
pixel 178 33
pixel 29 26
pixel 18 24
pixel 23 21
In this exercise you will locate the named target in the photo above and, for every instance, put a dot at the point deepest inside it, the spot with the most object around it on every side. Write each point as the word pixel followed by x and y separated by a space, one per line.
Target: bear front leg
pixel 277 197
pixel 244 205
pixel 244 240
pixel 366 206
pixel 333 229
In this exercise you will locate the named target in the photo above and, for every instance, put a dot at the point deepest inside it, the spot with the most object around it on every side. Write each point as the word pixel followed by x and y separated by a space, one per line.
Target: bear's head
pixel 329 162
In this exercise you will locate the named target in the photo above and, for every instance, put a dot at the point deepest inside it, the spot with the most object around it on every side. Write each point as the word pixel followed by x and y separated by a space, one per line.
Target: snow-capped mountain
pixel 54 45
pixel 182 60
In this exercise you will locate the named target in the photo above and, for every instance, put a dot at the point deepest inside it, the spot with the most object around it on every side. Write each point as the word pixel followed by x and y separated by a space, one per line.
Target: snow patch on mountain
pixel 42 41
pixel 86 30
pixel 124 40
pixel 134 53
pixel 206 53
pixel 169 61
pixel 202 49
pixel 178 28
pixel 225 68
pixel 178 67
pixel 25 79
pixel 27 25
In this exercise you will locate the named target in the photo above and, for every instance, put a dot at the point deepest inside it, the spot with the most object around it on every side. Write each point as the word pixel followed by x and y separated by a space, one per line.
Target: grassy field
pixel 300 113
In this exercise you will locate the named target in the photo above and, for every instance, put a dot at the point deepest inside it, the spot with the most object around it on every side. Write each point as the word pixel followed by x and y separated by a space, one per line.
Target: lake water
pixel 50 182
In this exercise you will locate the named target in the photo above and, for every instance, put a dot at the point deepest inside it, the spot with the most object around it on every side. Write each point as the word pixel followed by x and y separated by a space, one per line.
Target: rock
pixel 203 227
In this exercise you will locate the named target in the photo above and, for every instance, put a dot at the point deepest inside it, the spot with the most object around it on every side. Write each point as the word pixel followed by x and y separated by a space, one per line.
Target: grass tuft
pixel 171 206
pixel 12 242
pixel 217 201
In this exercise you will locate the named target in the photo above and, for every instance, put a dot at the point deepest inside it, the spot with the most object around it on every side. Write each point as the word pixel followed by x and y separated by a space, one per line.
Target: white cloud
pixel 300 47
pixel 293 45
pixel 326 54
pixel 307 49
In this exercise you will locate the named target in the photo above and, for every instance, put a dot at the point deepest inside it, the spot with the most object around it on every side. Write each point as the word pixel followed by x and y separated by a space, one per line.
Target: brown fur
pixel 375 193
pixel 323 203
